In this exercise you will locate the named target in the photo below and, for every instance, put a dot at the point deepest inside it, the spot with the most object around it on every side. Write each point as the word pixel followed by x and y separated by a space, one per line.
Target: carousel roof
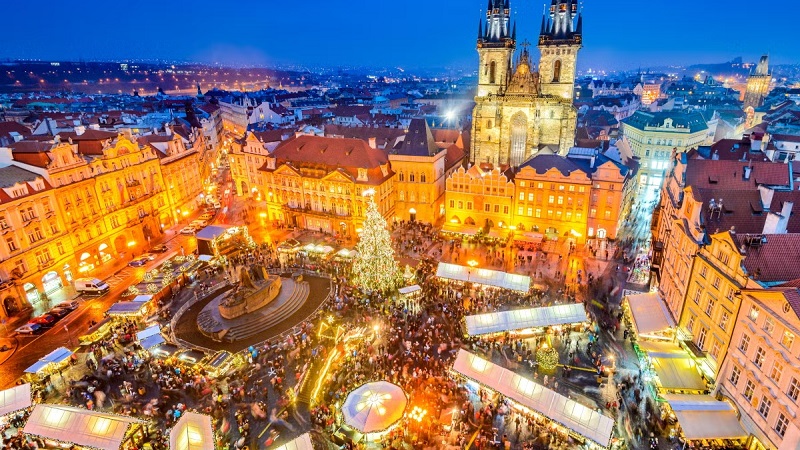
pixel 374 407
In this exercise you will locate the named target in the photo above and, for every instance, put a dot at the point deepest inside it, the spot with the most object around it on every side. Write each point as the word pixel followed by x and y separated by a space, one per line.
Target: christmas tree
pixel 375 268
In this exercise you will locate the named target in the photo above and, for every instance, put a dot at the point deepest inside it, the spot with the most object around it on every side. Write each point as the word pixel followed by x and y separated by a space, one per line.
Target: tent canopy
pixel 192 432
pixel 78 426
pixel 15 398
pixel 211 232
pixel 704 417
pixel 374 407
pixel 649 313
pixel 147 332
pixel 409 289
pixel 487 277
pixel 301 443
pixel 521 319
pixel 151 341
pixel 569 413
pixel 126 308
pixel 468 230
pixel 57 356
pixel 678 373
pixel 142 298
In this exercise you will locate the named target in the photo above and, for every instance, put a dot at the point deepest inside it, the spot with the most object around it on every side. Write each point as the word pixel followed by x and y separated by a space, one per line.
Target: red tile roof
pixel 775 261
pixel 720 174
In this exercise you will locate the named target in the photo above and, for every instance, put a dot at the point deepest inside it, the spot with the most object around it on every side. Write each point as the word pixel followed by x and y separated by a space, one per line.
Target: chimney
pixel 777 223
pixel 80 129
pixel 373 142
pixel 766 197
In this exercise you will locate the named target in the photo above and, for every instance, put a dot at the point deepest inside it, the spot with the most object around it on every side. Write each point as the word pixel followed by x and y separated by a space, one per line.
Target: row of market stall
pixel 62 426
pixel 679 375
pixel 499 234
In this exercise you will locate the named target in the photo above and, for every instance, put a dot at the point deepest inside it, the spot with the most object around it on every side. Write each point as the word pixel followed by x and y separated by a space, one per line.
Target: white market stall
pixel 150 337
pixel 650 316
pixel 457 228
pixel 374 407
pixel 65 424
pixel 704 417
pixel 522 319
pixel 193 431
pixel 511 281
pixel 15 399
pixel 576 417
pixel 675 369
pixel 301 443
pixel 128 309
pixel 52 359
pixel 408 290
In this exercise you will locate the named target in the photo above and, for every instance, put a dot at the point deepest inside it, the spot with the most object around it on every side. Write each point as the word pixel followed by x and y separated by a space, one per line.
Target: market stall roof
pixel 704 417
pixel 487 277
pixel 78 426
pixel 469 230
pixel 534 238
pixel 211 232
pixel 301 443
pixel 57 356
pixel 374 407
pixel 205 258
pixel 126 308
pixel 521 319
pixel 678 372
pixel 149 331
pixel 409 289
pixel 497 233
pixel 151 341
pixel 569 413
pixel 142 298
pixel 650 314
pixel 166 350
pixel 15 398
pixel 193 431
pixel 346 253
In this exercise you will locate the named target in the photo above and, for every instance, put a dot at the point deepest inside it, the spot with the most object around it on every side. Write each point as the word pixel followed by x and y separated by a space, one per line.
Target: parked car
pixel 91 286
pixel 199 223
pixel 188 230
pixel 45 320
pixel 30 328
pixel 139 262
pixel 70 305
pixel 59 313
pixel 206 217
pixel 149 256
pixel 160 248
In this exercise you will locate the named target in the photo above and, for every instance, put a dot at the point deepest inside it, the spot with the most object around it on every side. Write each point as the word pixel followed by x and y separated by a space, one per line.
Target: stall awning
pixel 78 426
pixel 192 432
pixel 468 230
pixel 704 417
pixel 533 238
pixel 126 308
pixel 409 289
pixel 521 319
pixel 205 258
pixel 142 298
pixel 151 341
pixel 676 371
pixel 57 356
pixel 497 233
pixel 301 443
pixel 650 314
pixel 15 398
pixel 486 277
pixel 569 413
pixel 211 232
pixel 147 332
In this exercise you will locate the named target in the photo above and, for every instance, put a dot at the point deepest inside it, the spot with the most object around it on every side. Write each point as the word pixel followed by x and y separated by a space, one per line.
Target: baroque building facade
pixel 520 110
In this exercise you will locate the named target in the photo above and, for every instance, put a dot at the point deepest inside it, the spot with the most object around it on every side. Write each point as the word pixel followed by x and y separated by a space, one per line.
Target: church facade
pixel 521 109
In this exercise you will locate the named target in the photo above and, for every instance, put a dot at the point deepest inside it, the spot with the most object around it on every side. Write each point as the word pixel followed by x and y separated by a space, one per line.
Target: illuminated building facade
pixel 518 110
pixel 480 197
pixel 757 85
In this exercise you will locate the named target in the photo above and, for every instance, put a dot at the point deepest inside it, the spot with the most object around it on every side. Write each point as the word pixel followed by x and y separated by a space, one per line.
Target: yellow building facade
pixel 478 197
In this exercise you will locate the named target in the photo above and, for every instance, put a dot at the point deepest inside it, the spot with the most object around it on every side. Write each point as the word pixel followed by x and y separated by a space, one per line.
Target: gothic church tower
pixel 560 39
pixel 496 44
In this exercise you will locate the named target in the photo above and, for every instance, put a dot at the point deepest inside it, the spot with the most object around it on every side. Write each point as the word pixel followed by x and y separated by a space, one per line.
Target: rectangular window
pixel 764 406
pixel 794 389
pixel 701 338
pixel 505 209
pixel 460 204
pixel 569 215
pixel 710 306
pixel 781 425
pixel 496 208
pixel 736 372
pixel 549 213
pixel 530 212
pixel 520 211
pixel 749 389
pixel 582 189
pixel 608 214
pixel 552 199
pixel 761 354
pixel 716 282
pixel 560 199
pixel 60 248
pixel 469 205
pixel 729 293
pixel 753 314
pixel 715 348
pixel 487 207
pixel 690 323
pixel 777 371
pixel 787 340
pixel 572 188
pixel 703 271
pixel 592 213
pixel 530 196
pixel 521 196
pixel 697 294
pixel 723 320
pixel 744 343
pixel 769 325
pixel 538 213
pixel 452 203
pixel 12 246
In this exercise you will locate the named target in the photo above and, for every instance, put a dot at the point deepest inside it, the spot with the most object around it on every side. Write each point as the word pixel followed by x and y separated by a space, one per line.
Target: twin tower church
pixel 520 108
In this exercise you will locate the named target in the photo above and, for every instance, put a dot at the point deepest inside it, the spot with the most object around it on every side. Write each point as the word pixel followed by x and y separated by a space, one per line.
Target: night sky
pixel 407 33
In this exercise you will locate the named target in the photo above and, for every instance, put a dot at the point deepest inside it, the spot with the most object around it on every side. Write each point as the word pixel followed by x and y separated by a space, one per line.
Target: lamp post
pixel 69 335
pixel 472 264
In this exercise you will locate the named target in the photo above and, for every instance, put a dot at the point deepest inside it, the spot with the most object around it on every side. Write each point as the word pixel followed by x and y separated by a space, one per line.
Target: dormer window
pixel 362 174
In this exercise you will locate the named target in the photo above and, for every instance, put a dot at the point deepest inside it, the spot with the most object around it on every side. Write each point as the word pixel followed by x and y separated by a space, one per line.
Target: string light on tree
pixel 547 359
pixel 375 268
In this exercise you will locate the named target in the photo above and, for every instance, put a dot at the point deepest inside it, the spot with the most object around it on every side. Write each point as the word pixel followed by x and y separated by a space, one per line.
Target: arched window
pixel 519 138
pixel 492 72
pixel 422 178
pixel 402 176
pixel 411 178
pixel 557 71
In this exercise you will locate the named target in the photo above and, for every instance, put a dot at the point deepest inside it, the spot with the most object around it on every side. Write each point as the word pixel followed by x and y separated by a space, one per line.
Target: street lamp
pixel 472 264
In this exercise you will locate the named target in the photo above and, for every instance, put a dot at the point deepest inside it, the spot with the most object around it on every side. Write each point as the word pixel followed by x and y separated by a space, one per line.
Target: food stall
pixel 49 364
pixel 220 363
pixel 75 428
pixel 486 277
pixel 13 401
pixel 163 351
pixel 150 337
pixel 193 431
pixel 705 422
pixel 525 321
pixel 97 332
